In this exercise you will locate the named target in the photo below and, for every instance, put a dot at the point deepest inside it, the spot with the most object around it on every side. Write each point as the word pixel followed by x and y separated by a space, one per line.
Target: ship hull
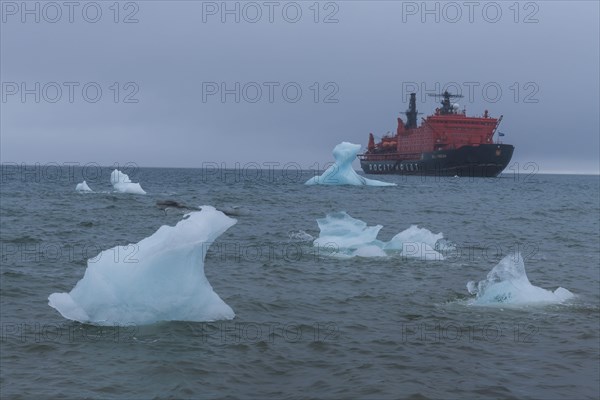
pixel 485 160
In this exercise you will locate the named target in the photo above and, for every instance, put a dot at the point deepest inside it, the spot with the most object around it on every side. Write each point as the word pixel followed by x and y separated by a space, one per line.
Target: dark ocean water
pixel 308 325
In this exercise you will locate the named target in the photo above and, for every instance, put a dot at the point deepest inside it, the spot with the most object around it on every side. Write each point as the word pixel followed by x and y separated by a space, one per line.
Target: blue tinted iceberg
pixel 507 284
pixel 123 184
pixel 343 236
pixel 417 242
pixel 341 172
pixel 83 187
pixel 160 278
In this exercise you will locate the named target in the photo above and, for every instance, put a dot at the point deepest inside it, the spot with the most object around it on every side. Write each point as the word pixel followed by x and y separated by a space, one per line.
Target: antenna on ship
pixel 496 129
pixel 446 105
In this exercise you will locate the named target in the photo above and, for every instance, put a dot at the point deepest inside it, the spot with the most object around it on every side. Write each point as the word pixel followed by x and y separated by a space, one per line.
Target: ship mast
pixel 447 108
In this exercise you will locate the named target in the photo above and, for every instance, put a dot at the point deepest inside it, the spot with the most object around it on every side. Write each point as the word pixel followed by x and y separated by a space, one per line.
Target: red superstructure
pixel 447 129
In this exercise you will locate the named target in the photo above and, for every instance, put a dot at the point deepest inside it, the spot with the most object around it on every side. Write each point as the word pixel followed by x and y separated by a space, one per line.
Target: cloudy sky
pixel 182 83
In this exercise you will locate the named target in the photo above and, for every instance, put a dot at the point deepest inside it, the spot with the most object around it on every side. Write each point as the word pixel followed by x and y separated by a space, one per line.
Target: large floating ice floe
pixel 343 236
pixel 160 278
pixel 341 172
pixel 123 184
pixel 83 187
pixel 507 284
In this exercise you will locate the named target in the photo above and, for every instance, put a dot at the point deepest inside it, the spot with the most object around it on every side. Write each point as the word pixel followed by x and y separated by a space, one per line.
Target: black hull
pixel 485 160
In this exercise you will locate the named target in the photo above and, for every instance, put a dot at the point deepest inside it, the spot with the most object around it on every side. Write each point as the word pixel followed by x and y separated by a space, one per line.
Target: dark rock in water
pixel 234 211
pixel 170 204
pixel 229 210
pixel 166 204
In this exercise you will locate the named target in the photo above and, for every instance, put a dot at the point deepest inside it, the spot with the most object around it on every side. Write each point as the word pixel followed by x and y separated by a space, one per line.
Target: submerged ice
pixel 160 278
pixel 344 236
pixel 83 187
pixel 507 284
pixel 123 184
pixel 301 236
pixel 341 172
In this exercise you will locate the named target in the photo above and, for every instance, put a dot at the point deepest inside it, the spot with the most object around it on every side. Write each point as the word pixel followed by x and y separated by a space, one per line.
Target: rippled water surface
pixel 308 325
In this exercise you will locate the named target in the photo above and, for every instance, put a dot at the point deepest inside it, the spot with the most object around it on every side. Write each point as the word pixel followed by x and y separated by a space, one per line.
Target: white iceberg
pixel 507 284
pixel 83 187
pixel 123 184
pixel 346 232
pixel 160 278
pixel 341 172
pixel 417 242
pixel 343 236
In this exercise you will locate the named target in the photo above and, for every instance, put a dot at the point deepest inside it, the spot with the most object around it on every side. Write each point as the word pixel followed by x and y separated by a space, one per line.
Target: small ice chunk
pixel 343 236
pixel 345 232
pixel 417 242
pixel 301 236
pixel 507 284
pixel 123 184
pixel 83 187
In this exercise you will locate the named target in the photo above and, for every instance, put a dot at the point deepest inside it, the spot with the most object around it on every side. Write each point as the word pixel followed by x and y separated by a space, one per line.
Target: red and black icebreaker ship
pixel 448 143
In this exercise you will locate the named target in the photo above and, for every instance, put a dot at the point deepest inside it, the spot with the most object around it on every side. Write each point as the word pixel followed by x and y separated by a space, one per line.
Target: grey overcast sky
pixel 188 82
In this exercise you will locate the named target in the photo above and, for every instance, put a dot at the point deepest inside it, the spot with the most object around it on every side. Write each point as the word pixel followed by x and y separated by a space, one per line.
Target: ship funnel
pixel 411 113
pixel 371 145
